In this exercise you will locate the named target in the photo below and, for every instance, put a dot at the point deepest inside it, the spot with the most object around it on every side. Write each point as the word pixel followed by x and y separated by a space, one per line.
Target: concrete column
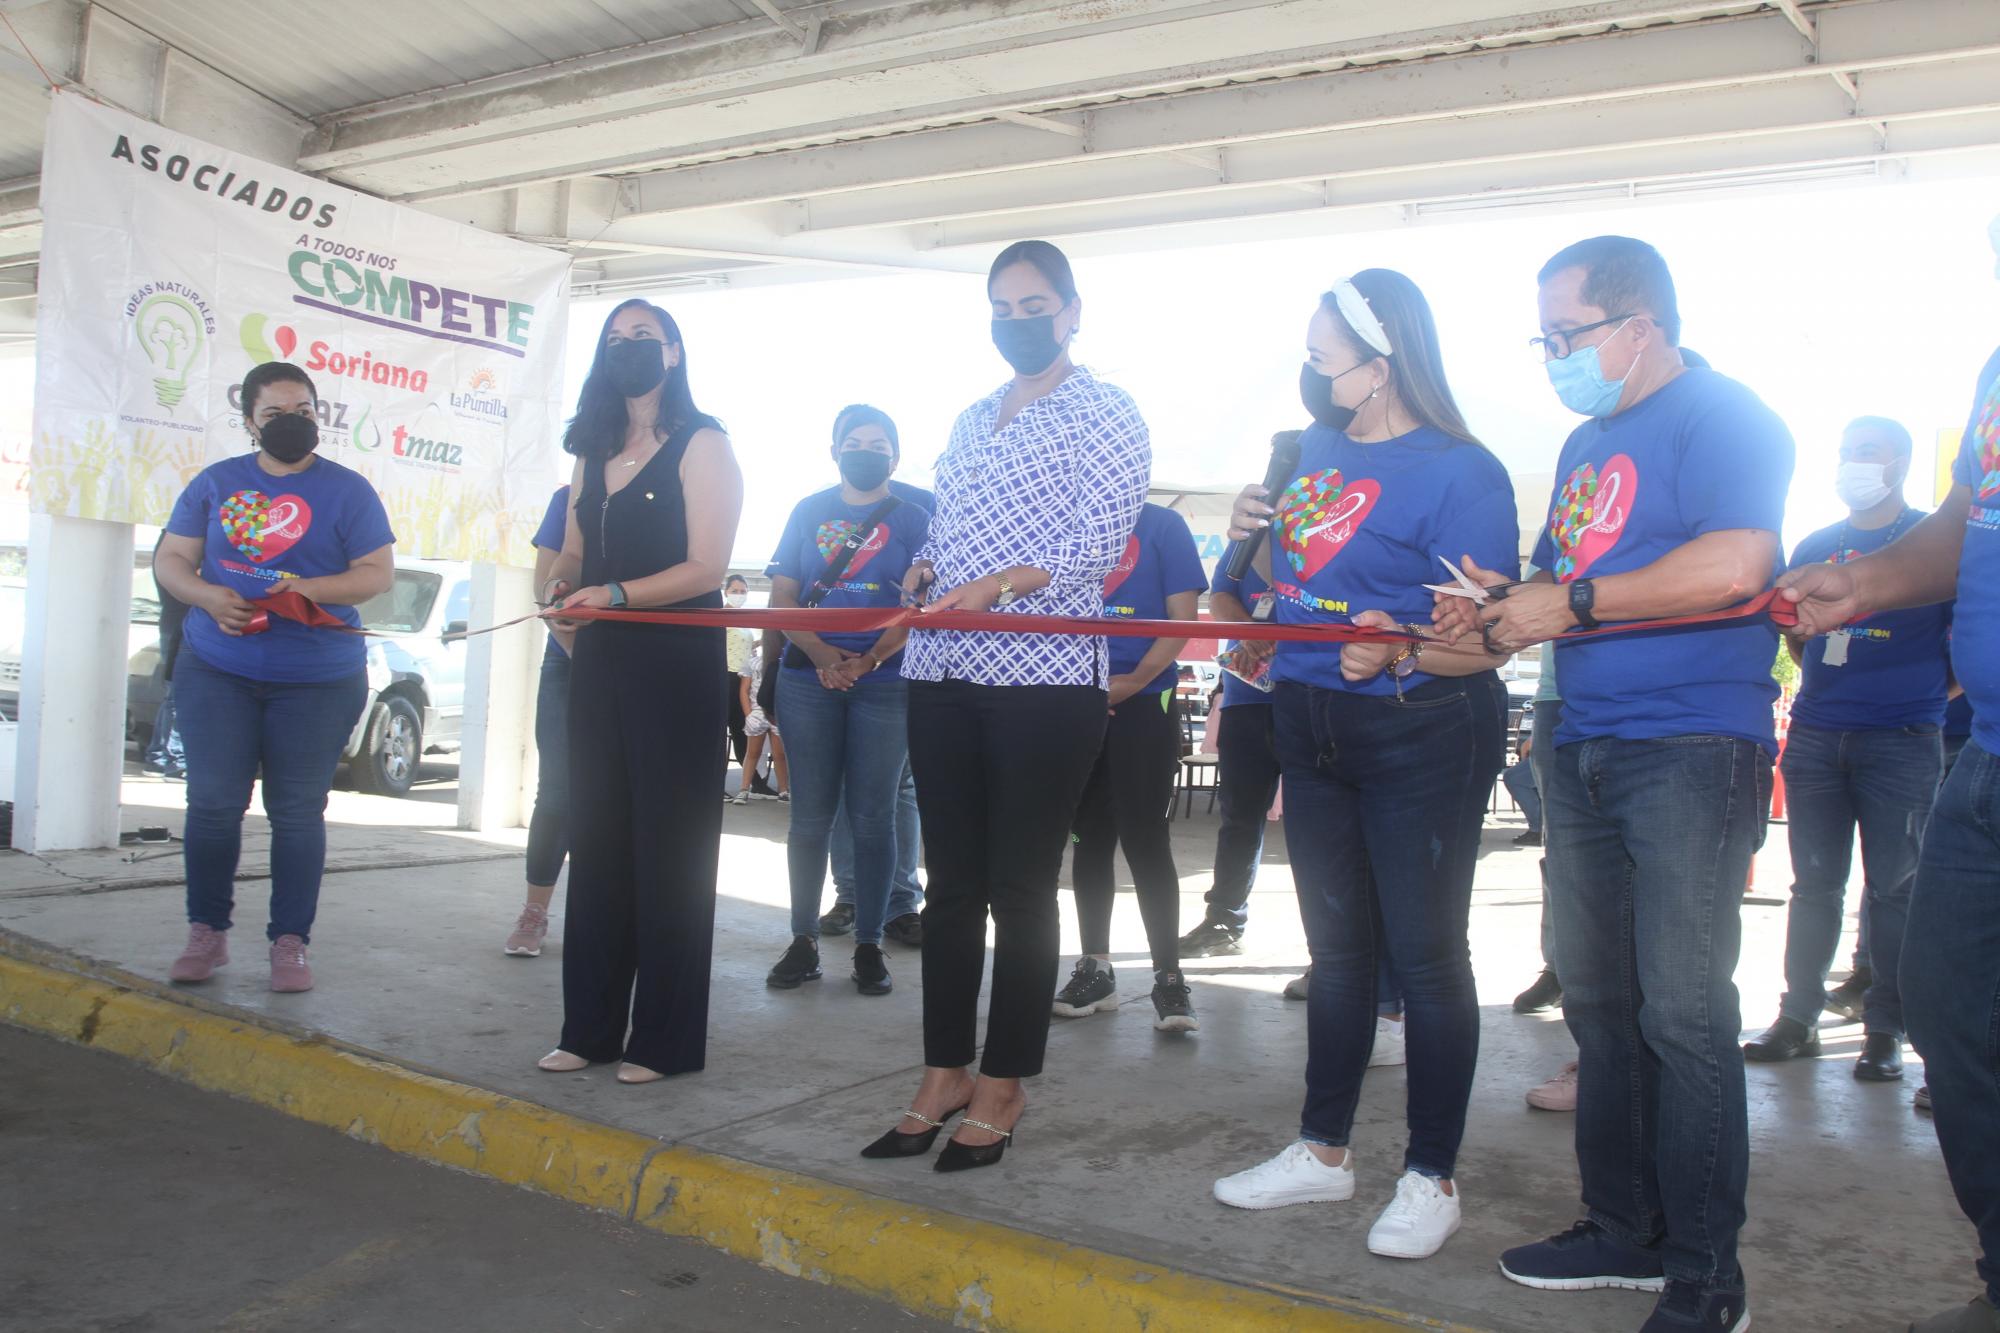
pixel 71 742
pixel 496 766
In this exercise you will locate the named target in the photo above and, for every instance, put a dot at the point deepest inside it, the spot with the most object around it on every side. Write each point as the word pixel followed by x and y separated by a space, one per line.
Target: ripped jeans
pixel 1882 781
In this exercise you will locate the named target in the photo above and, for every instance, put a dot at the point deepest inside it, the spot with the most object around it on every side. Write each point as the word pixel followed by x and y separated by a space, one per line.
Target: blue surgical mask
pixel 1579 381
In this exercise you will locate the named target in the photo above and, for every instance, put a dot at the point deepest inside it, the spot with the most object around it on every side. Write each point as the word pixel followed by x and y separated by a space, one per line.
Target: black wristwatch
pixel 1582 597
pixel 617 591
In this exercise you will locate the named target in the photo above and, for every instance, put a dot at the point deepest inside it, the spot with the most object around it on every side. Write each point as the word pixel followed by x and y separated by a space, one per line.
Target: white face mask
pixel 736 599
pixel 1862 485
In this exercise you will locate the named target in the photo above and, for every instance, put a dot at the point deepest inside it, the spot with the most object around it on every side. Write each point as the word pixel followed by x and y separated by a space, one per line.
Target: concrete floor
pixel 198 1212
pixel 1852 1223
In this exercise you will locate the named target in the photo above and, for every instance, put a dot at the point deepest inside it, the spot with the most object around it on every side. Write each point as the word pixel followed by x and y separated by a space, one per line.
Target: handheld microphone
pixel 1284 467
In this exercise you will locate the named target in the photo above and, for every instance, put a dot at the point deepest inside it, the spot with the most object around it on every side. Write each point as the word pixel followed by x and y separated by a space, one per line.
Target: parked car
pixel 1194 682
pixel 416 679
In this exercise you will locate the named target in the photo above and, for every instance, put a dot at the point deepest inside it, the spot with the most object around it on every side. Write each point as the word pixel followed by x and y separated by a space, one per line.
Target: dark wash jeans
pixel 1246 782
pixel 1649 848
pixel 231 726
pixel 1377 797
pixel 1883 780
pixel 1541 759
pixel 1951 988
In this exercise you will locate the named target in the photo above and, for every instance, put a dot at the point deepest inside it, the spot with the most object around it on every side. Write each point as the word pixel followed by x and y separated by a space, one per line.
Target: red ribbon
pixel 290 605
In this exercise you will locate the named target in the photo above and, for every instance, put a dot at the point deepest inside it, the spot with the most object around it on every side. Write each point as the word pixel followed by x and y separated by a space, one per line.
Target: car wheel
pixel 387 764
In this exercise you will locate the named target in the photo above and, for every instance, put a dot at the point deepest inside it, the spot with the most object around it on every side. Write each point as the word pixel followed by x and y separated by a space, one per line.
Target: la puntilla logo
pixel 172 324
pixel 480 400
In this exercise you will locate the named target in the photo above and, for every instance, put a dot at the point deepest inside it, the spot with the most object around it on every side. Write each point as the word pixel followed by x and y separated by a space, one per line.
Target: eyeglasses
pixel 1562 342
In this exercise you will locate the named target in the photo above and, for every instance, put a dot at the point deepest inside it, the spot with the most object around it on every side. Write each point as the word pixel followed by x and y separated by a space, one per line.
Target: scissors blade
pixel 1465 587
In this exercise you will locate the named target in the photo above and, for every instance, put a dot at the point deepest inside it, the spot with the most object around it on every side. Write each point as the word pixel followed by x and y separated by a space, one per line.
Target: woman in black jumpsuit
pixel 655 499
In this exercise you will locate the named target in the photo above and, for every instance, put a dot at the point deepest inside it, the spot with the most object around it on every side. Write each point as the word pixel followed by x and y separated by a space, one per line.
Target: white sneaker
pixel 1293 1176
pixel 1417 1222
pixel 1388 1043
pixel 741 798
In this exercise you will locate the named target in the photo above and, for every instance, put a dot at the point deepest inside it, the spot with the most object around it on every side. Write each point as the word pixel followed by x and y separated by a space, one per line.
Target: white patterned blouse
pixel 1059 490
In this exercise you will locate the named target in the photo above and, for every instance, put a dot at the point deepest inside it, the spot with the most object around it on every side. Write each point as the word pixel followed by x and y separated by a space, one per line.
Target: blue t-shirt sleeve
pixel 363 525
pixel 1736 466
pixel 191 510
pixel 555 523
pixel 1180 560
pixel 1487 528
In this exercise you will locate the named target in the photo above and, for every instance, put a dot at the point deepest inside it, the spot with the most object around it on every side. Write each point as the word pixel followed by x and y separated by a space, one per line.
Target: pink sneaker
pixel 1558 1094
pixel 207 949
pixel 529 932
pixel 289 972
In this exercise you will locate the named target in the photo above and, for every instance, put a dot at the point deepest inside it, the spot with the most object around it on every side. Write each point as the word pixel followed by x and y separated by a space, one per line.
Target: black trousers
pixel 646 729
pixel 998 772
pixel 739 740
pixel 1246 781
pixel 1128 801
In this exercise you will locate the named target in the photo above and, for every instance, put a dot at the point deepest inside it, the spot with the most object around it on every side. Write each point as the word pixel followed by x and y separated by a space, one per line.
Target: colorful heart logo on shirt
pixel 1590 514
pixel 1318 514
pixel 833 535
pixel 263 528
pixel 1123 569
pixel 1989 448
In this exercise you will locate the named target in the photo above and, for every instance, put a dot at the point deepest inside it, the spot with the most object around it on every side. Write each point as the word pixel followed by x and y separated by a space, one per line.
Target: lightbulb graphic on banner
pixel 170 332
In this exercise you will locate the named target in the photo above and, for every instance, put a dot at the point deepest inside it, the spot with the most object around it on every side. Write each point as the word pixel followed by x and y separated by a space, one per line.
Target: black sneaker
pixel 1212 939
pixel 1584 1258
pixel 871 973
pixel 1686 1308
pixel 1172 1003
pixel 799 965
pixel 906 930
pixel 840 921
pixel 1528 838
pixel 1846 998
pixel 1093 986
pixel 1544 994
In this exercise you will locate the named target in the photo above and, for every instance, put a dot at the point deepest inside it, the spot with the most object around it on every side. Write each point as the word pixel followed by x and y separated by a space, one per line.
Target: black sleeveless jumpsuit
pixel 646 736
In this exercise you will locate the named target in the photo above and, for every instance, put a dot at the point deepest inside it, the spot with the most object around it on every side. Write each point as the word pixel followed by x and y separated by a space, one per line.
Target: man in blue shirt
pixel 1863 750
pixel 1951 941
pixel 1668 502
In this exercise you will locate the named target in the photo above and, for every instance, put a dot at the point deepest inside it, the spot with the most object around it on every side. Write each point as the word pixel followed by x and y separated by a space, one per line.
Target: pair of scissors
pixel 1478 594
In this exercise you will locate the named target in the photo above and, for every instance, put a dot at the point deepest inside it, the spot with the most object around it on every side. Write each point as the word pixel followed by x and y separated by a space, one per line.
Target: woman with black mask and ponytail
pixel 1037 491
pixel 842 694
pixel 655 496
pixel 282 699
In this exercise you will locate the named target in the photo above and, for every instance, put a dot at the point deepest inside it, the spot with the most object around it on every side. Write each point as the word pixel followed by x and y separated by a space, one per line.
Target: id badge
pixel 1836 648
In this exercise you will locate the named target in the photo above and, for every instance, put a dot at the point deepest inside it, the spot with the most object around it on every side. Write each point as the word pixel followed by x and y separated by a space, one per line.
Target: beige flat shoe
pixel 631 1073
pixel 560 1061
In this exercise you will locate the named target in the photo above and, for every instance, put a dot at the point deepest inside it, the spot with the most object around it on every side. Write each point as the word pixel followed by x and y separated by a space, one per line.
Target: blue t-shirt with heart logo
pixel 1702 454
pixel 1894 671
pixel 1362 528
pixel 818 526
pixel 258 530
pixel 1160 560
pixel 1975 639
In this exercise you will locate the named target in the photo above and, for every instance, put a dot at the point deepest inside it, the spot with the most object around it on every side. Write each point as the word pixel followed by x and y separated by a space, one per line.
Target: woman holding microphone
pixel 1381 745
pixel 1037 492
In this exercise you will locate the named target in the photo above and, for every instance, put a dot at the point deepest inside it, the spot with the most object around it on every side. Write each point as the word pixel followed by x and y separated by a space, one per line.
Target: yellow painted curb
pixel 979 1275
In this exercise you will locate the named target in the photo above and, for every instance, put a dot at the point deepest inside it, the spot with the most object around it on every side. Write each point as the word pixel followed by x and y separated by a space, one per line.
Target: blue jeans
pixel 1951 988
pixel 1377 795
pixel 1883 780
pixel 232 726
pixel 1520 779
pixel 906 895
pixel 548 826
pixel 163 749
pixel 846 747
pixel 1246 782
pixel 1649 848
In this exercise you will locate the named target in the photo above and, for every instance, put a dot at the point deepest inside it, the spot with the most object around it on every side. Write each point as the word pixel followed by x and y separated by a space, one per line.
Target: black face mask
pixel 635 366
pixel 290 437
pixel 1316 392
pixel 864 469
pixel 1029 343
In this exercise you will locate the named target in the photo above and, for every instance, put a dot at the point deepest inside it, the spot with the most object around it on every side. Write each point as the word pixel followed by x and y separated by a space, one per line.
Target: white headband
pixel 1354 308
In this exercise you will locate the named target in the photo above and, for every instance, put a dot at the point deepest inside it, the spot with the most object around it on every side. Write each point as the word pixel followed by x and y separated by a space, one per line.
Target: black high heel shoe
pixel 898 1144
pixel 966 1157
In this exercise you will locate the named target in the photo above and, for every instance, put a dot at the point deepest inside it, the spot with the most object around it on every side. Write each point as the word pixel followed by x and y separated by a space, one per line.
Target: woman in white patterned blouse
pixel 1036 493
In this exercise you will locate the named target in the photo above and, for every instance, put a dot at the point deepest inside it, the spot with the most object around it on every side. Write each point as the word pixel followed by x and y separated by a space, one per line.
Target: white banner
pixel 170 267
